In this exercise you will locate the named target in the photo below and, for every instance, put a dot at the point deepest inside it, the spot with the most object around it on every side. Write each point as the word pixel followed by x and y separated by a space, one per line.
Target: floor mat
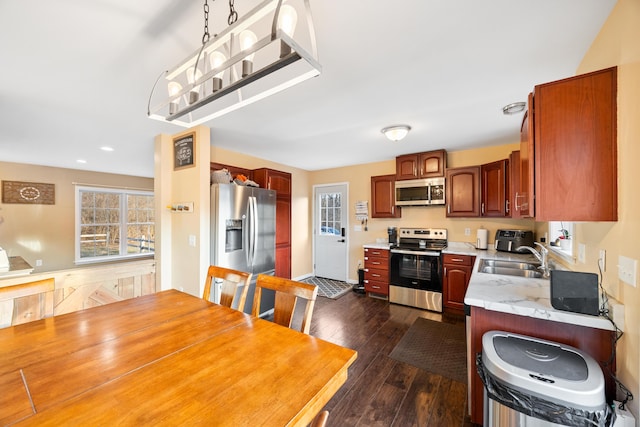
pixel 436 347
pixel 329 288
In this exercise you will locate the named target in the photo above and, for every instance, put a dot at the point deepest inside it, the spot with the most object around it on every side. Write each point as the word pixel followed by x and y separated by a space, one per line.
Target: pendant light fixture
pixel 396 132
pixel 254 57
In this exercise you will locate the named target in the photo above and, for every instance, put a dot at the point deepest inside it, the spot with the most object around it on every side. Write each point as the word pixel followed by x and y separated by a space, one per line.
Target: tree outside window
pixel 113 224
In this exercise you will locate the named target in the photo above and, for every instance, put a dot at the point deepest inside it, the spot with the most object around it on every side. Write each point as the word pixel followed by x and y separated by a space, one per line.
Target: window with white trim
pixel 113 224
pixel 561 236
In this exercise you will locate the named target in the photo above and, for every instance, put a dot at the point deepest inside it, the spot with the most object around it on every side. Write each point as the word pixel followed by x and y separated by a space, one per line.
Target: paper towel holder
pixel 482 239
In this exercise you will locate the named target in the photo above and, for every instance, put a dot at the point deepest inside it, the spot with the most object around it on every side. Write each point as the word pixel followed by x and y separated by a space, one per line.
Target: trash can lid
pixel 543 358
pixel 546 369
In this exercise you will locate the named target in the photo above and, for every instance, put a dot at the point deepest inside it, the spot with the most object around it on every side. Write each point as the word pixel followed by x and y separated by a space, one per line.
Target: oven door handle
pixel 402 251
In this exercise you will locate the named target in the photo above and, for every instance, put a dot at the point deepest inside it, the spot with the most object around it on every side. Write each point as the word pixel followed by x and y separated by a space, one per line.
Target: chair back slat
pixel 231 280
pixel 288 293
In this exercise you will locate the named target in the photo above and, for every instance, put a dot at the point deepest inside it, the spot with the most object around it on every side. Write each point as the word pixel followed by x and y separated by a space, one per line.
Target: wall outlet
pixel 627 268
pixel 38 263
pixel 192 240
pixel 582 256
pixel 602 260
pixel 357 228
pixel 467 232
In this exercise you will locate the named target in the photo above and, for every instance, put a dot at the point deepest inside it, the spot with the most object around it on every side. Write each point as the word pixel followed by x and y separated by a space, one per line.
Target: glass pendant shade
pixel 216 59
pixel 174 89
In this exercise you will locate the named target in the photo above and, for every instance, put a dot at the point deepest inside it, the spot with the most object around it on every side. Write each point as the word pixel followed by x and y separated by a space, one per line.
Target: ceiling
pixel 77 75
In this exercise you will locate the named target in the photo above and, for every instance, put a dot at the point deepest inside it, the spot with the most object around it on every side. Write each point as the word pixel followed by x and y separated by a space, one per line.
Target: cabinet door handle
pixel 445 271
pixel 448 209
pixel 482 211
pixel 457 260
pixel 516 201
pixel 506 206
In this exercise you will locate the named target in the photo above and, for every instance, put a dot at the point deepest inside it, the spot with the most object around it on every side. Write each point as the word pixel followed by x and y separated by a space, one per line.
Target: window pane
pixel 101 223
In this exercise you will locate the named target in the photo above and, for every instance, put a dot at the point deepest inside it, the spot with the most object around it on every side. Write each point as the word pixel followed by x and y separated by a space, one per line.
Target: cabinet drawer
pixel 376 287
pixel 376 262
pixel 374 274
pixel 380 253
pixel 458 259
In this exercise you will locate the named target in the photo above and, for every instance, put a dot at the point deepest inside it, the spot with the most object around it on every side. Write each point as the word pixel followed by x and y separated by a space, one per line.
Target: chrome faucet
pixel 540 256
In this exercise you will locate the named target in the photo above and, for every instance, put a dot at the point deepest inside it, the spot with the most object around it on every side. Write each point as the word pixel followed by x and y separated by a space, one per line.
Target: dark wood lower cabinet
pixel 455 280
pixel 597 343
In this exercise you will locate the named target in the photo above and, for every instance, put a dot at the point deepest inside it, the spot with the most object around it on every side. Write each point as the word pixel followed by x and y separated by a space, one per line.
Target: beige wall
pixel 182 265
pixel 46 232
pixel 617 44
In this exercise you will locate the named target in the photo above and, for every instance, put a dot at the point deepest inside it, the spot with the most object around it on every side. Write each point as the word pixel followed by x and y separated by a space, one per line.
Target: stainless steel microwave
pixel 420 192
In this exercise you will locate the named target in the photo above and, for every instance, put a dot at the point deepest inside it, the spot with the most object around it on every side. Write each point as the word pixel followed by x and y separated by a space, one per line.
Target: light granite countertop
pixel 517 295
pixel 377 245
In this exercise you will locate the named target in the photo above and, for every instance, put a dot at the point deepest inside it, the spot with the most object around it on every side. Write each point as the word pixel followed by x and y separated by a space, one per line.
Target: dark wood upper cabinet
pixel 495 189
pixel 429 164
pixel 575 124
pixel 280 182
pixel 523 202
pixel 383 197
pixel 233 170
pixel 463 191
pixel 514 184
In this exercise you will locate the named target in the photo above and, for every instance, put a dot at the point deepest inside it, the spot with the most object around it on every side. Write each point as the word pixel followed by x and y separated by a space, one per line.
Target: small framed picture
pixel 184 151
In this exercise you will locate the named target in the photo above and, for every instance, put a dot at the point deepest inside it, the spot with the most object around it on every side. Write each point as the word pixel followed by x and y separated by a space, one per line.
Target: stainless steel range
pixel 416 269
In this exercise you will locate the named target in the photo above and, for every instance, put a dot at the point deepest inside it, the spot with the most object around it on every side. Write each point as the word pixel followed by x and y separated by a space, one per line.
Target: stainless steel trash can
pixel 534 382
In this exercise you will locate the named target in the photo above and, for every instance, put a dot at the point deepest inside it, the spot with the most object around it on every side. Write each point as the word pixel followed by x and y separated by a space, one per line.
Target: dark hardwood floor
pixel 381 391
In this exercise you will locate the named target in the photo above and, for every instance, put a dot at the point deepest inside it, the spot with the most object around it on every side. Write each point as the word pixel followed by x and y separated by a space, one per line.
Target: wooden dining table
pixel 167 358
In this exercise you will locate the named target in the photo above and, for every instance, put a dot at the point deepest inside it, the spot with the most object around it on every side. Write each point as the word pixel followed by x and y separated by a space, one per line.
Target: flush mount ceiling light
pixel 396 132
pixel 254 57
pixel 514 108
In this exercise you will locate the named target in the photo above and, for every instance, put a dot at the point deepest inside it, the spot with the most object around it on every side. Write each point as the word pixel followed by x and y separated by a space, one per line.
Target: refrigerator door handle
pixel 253 229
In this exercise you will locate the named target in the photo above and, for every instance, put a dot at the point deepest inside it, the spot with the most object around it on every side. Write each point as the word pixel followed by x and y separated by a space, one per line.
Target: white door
pixel 330 207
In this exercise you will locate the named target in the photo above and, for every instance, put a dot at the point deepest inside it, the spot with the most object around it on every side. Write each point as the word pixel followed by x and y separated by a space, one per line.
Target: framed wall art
pixel 29 193
pixel 184 151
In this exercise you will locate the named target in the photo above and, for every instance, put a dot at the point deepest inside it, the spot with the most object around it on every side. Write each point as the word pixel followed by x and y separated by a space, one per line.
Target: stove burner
pixel 422 239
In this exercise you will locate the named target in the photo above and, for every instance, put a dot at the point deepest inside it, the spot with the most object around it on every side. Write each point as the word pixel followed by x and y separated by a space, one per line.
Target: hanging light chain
pixel 233 15
pixel 205 36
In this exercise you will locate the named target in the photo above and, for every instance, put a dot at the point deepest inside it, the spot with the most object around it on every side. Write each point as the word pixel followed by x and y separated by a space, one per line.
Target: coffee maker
pixel 393 236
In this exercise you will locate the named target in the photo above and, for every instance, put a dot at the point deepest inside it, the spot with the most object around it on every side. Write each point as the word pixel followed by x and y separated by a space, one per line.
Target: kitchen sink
pixel 520 265
pixel 510 268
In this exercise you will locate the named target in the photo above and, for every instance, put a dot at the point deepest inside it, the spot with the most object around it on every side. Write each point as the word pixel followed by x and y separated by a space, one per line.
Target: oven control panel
pixel 423 233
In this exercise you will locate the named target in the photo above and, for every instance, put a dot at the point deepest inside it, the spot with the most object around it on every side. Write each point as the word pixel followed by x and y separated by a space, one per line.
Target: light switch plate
pixel 627 268
pixel 582 258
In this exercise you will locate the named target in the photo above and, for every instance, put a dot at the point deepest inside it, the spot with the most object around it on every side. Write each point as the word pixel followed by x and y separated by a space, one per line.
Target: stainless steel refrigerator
pixel 243 235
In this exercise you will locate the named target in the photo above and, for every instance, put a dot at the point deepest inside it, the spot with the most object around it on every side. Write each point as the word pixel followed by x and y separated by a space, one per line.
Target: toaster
pixel 511 240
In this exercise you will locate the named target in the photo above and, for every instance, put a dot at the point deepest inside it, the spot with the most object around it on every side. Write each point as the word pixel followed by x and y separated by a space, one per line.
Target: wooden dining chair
pixel 288 292
pixel 320 420
pixel 231 281
pixel 26 302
